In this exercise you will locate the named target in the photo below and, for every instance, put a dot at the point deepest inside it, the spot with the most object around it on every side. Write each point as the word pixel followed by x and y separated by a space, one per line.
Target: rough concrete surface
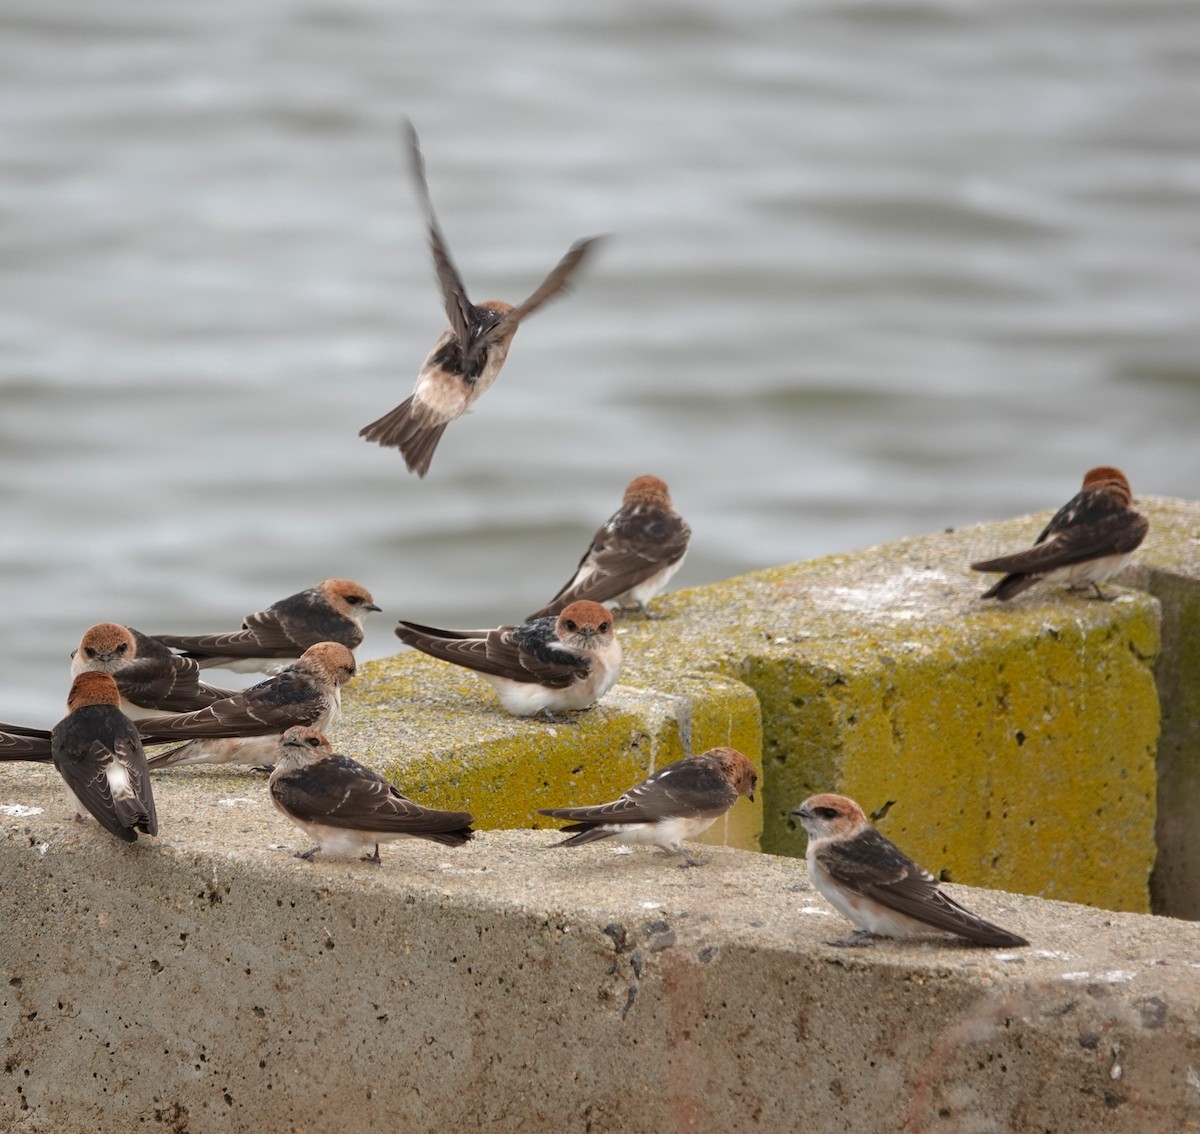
pixel 1016 743
pixel 209 981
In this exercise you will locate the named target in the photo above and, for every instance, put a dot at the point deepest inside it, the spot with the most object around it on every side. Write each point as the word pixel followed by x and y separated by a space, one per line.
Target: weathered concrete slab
pixel 207 981
pixel 1016 743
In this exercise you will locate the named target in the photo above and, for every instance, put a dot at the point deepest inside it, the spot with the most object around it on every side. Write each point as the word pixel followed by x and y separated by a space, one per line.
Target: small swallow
pixel 98 753
pixel 867 878
pixel 633 556
pixel 153 681
pixel 468 355
pixel 548 665
pixel 245 728
pixel 1089 540
pixel 679 802
pixel 20 743
pixel 332 611
pixel 346 807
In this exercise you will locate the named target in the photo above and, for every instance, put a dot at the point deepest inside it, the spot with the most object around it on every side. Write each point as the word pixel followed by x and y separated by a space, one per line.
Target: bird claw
pixel 307 855
pixel 373 857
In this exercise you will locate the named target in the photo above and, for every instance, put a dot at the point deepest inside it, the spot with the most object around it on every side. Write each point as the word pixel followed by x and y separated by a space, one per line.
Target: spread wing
pixel 523 653
pixel 688 789
pixel 459 309
pixel 554 284
pixel 340 792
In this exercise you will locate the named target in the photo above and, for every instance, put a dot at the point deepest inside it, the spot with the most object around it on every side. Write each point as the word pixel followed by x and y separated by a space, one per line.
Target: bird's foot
pixel 266 769
pixel 307 855
pixel 373 857
pixel 1100 596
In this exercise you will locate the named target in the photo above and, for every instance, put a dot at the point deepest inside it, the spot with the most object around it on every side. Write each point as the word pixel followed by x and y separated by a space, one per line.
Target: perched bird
pixel 347 807
pixel 332 611
pixel 1090 539
pixel 468 355
pixel 97 751
pixel 877 886
pixel 633 556
pixel 244 728
pixel 20 743
pixel 548 665
pixel 678 802
pixel 152 680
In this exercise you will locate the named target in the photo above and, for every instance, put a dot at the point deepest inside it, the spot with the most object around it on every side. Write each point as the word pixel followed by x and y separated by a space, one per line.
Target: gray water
pixel 875 269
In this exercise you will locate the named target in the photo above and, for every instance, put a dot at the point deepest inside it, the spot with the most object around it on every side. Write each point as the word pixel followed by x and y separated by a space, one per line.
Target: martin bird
pixel 346 807
pixel 468 355
pixel 98 753
pixel 1090 539
pixel 20 743
pixel 868 879
pixel 679 802
pixel 245 728
pixel 332 611
pixel 548 665
pixel 633 556
pixel 152 680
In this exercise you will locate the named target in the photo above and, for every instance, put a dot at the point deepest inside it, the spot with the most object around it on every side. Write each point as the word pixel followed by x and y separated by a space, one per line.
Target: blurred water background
pixel 876 269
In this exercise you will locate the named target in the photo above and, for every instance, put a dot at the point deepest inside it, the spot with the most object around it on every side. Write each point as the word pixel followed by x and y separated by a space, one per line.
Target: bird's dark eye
pixel 353 600
pixel 89 651
pixel 313 742
pixel 122 647
pixel 825 812
pixel 603 627
pixel 571 625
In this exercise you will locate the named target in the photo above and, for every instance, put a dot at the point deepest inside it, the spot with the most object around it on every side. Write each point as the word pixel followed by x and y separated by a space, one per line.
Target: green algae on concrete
pixel 440 734
pixel 1005 745
pixel 1014 744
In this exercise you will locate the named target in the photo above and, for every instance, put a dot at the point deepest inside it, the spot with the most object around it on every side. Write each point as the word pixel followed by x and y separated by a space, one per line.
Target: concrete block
pixel 209 982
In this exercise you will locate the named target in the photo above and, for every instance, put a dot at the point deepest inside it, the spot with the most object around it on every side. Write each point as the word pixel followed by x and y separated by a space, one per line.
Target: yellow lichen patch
pixel 440 735
pixel 1014 742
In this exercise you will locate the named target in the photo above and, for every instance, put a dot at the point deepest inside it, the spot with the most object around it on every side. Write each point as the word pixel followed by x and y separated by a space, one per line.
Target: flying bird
pixel 1090 539
pixel 20 743
pixel 548 665
pixel 152 680
pixel 633 556
pixel 468 355
pixel 678 802
pixel 332 611
pixel 98 753
pixel 232 731
pixel 346 807
pixel 868 879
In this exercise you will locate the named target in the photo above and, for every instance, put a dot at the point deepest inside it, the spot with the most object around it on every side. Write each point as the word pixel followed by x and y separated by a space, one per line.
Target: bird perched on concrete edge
pixel 549 665
pixel 1090 539
pixel 308 692
pixel 152 680
pixel 633 556
pixel 868 879
pixel 332 611
pixel 678 802
pixel 347 807
pixel 98 753
pixel 469 354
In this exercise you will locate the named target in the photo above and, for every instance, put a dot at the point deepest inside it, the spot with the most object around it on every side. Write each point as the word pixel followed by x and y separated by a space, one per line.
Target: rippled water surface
pixel 875 269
